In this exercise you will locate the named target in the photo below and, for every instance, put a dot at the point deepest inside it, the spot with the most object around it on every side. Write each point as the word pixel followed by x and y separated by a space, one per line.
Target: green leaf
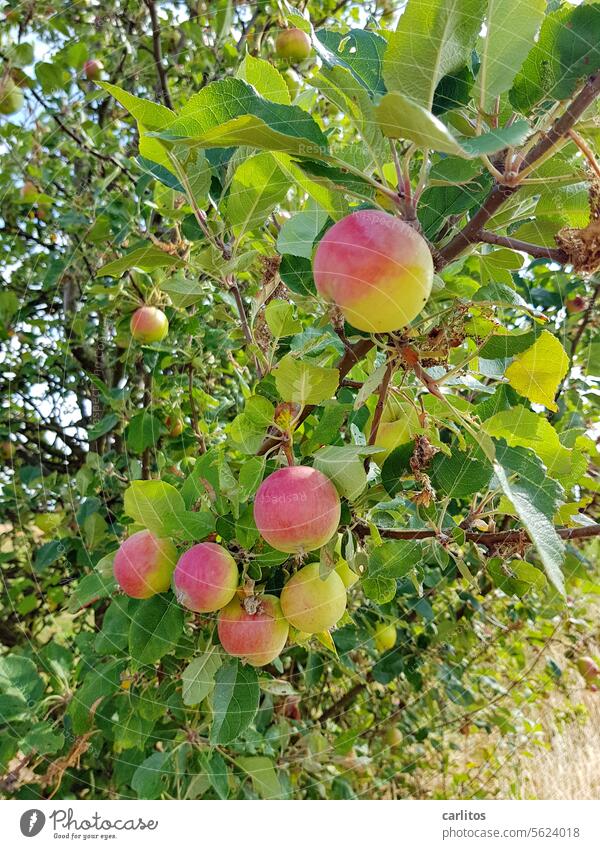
pixel 461 474
pixel 235 701
pixel 537 372
pixel 144 431
pixel 433 38
pixel 265 78
pixel 147 259
pixel 388 562
pixel 279 316
pixel 296 273
pixel 114 635
pixel 148 778
pixel 100 682
pixel 505 345
pixel 19 677
pixel 248 429
pixel 521 427
pixel 304 383
pixel 230 112
pixel 524 495
pixel 217 773
pixel 156 627
pixel 198 678
pixel 343 466
pixel 47 554
pixel 91 588
pixel 263 776
pixel 567 50
pixel 153 504
pixel 503 51
pixel 400 117
pixel 153 116
pixel 298 233
pixel 359 51
pixel 42 739
pixel 516 577
pixel 258 185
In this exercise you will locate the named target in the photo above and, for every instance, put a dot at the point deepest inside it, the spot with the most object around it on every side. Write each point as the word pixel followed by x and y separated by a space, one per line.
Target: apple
pixel 376 268
pixel 297 509
pixel 588 668
pixel 93 69
pixel 28 190
pixel 575 304
pixel 385 637
pixel 11 97
pixel 311 603
pixel 293 45
pixel 149 324
pixel 392 736
pixel 144 564
pixel 253 629
pixel 175 425
pixel 205 578
pixel 398 424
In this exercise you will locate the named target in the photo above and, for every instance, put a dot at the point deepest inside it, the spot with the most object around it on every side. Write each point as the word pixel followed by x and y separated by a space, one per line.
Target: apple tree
pixel 300 393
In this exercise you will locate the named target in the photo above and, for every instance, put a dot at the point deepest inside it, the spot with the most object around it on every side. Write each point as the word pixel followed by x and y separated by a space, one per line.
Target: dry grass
pixel 568 766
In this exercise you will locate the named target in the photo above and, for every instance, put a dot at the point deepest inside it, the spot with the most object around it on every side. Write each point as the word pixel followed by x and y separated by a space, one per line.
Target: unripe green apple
pixel 93 69
pixel 376 268
pixel 398 424
pixel 149 324
pixel 144 564
pixel 253 629
pixel 588 668
pixel 385 637
pixel 205 578
pixel 392 736
pixel 313 604
pixel 297 509
pixel 28 190
pixel 293 45
pixel 11 97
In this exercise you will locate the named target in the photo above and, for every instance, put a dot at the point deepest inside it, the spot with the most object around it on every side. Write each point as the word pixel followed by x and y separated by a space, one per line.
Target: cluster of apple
pixel 297 510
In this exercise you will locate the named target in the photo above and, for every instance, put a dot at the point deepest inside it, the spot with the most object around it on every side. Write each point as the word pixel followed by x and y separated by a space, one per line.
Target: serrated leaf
pixel 235 701
pixel 523 428
pixel 147 259
pixel 537 372
pixel 258 185
pixel 198 678
pixel 433 38
pixel 303 383
pixel 263 776
pixel 230 112
pixel 156 627
pixel 279 316
pixel 153 504
pixel 265 78
pixel 501 53
pixel 154 116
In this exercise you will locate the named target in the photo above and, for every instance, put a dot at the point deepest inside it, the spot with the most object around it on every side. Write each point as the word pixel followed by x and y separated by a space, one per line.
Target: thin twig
pixel 157 52
pixel 538 251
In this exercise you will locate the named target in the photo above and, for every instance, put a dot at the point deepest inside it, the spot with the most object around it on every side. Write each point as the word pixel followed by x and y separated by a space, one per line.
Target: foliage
pixel 198 176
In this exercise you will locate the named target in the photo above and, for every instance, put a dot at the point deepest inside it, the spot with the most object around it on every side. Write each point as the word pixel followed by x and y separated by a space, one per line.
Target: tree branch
pixel 486 538
pixel 157 52
pixel 499 194
pixel 556 254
